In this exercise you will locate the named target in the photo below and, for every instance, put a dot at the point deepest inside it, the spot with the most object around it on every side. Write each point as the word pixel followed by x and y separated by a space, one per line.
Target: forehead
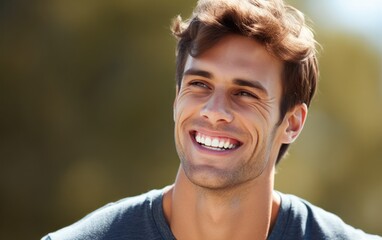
pixel 240 53
pixel 236 56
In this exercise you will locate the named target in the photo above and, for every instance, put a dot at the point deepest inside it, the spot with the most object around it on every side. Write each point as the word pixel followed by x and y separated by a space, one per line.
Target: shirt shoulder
pixel 137 217
pixel 299 219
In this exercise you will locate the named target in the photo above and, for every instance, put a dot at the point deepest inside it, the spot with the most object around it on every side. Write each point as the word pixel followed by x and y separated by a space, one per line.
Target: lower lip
pixel 211 151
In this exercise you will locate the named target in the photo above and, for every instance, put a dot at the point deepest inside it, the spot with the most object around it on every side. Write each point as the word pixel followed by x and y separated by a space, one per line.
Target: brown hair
pixel 278 27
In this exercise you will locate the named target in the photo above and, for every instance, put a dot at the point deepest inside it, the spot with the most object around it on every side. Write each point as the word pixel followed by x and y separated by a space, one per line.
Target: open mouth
pixel 215 143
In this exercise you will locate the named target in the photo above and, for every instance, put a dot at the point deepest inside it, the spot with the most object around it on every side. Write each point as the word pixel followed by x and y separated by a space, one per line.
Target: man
pixel 246 74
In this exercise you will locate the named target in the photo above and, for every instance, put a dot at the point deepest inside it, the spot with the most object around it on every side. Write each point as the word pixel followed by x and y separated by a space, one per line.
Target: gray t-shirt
pixel 142 217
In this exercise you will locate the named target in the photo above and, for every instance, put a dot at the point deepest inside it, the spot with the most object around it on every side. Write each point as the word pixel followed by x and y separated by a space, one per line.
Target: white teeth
pixel 208 141
pixel 214 143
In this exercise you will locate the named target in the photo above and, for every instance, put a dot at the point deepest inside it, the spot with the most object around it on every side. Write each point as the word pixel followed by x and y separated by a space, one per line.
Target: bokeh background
pixel 86 91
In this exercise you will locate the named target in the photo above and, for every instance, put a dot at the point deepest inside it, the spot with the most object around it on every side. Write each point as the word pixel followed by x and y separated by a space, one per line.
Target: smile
pixel 216 143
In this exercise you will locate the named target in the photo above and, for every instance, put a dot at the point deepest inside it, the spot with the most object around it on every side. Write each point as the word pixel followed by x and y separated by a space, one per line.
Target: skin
pixel 231 92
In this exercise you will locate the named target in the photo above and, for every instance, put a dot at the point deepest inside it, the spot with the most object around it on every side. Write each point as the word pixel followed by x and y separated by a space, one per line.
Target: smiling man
pixel 246 74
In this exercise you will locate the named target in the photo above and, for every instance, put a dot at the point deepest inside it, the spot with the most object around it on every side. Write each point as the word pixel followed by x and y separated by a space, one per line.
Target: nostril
pixel 217 114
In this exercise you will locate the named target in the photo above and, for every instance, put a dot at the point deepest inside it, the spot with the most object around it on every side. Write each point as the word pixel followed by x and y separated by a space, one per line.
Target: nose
pixel 217 109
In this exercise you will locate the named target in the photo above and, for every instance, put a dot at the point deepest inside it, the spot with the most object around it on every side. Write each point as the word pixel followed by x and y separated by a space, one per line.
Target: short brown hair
pixel 280 28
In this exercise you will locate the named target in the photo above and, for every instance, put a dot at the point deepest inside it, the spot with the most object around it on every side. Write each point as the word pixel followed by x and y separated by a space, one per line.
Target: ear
pixel 294 120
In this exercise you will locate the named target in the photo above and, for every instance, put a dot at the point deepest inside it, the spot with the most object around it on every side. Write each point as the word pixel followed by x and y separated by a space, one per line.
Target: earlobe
pixel 295 122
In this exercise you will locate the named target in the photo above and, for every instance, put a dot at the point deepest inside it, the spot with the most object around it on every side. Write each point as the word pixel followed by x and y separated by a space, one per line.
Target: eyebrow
pixel 236 81
pixel 197 72
pixel 251 84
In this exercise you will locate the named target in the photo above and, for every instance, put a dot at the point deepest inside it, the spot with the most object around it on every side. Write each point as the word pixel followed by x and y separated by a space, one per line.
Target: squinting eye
pixel 246 94
pixel 198 84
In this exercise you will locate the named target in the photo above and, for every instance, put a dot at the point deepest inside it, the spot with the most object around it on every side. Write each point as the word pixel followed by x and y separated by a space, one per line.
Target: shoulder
pixel 299 219
pixel 122 218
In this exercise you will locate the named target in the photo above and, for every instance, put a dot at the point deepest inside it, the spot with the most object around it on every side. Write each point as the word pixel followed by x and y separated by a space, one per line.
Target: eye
pixel 246 94
pixel 198 84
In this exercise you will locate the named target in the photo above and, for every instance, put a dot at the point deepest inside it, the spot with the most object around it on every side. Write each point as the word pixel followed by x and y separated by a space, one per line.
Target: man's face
pixel 226 113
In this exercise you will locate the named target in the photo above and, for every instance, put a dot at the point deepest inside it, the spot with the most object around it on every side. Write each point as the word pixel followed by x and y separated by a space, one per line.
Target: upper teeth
pixel 214 141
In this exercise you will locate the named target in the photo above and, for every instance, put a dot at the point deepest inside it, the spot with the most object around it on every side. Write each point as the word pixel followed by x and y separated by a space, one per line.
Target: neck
pixel 244 212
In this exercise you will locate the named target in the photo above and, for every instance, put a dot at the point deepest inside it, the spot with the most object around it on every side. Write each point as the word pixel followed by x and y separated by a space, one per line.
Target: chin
pixel 210 177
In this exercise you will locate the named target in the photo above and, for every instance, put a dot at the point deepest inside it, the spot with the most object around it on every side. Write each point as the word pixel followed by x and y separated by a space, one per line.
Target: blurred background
pixel 86 92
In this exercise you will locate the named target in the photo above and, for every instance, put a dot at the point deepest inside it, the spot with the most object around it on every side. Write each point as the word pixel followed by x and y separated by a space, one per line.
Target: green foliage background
pixel 86 91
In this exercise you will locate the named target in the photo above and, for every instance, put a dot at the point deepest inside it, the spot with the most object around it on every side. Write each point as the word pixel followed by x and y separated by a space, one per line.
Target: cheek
pixel 258 124
pixel 262 114
pixel 184 107
pixel 253 117
pixel 181 113
pixel 178 111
